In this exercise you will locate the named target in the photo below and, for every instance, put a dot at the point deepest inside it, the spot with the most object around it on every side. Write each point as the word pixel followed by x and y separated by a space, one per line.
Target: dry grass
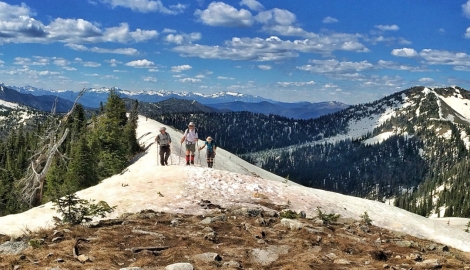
pixel 183 236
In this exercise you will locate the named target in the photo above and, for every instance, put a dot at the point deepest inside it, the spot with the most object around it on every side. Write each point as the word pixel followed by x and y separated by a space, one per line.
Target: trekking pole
pixel 199 153
pixel 158 157
pixel 179 156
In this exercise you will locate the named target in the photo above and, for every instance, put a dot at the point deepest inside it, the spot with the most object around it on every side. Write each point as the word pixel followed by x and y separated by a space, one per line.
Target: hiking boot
pixel 192 162
pixel 187 163
pixel 163 164
pixel 166 163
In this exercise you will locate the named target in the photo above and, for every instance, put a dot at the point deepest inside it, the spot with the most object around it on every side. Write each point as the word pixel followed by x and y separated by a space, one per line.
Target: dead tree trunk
pixel 32 185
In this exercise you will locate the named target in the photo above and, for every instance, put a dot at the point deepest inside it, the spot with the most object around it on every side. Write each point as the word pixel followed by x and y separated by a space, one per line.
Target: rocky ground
pixel 264 237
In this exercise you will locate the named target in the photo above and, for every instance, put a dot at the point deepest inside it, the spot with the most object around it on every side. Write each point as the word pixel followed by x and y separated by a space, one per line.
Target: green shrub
pixel 75 211
pixel 327 218
pixel 366 219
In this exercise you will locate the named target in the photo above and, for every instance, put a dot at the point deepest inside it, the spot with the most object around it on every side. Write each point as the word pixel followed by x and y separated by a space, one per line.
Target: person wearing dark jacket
pixel 163 139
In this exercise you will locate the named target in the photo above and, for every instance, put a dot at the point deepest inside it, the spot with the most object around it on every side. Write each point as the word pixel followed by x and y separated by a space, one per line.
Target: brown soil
pixel 165 239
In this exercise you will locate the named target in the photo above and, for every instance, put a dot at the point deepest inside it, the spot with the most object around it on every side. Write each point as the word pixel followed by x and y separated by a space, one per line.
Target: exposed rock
pixel 269 255
pixel 13 247
pixel 292 224
pixel 430 264
pixel 180 266
pixel 208 257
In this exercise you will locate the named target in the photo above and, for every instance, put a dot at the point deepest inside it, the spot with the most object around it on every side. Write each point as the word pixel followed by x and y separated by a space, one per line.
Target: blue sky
pixel 305 50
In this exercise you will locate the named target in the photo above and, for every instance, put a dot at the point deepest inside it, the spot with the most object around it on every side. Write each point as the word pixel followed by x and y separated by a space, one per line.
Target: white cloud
pixel 122 34
pixel 181 68
pixel 393 27
pixel 91 64
pixel 438 57
pixel 144 63
pixel 149 79
pixel 145 6
pixel 397 66
pixel 61 62
pixel 17 26
pixel 252 4
pixel 335 66
pixel 329 20
pixel 466 9
pixel 467 33
pixel 189 80
pixel 221 14
pixel 287 84
pixel 426 80
pixel 276 16
pixel 225 78
pixel 124 51
pixel 404 52
pixel 264 67
pixel 270 49
pixel 113 62
pixel 183 38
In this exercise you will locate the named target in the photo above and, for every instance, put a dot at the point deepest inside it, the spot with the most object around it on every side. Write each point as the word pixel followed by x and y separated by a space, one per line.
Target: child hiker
pixel 210 154
pixel 190 137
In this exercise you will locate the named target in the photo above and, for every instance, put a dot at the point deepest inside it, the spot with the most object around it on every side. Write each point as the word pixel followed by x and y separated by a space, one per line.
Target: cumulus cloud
pixel 189 80
pixel 438 57
pixel 329 20
pixel 124 51
pixel 335 66
pixel 287 84
pixel 146 6
pixel 183 38
pixel 467 33
pixel 466 10
pixel 221 14
pixel 264 67
pixel 113 62
pixel 276 16
pixel 91 64
pixel 144 63
pixel 397 66
pixel 252 4
pixel 392 27
pixel 181 68
pixel 270 49
pixel 225 78
pixel 149 79
pixel 18 26
pixel 404 52
pixel 426 80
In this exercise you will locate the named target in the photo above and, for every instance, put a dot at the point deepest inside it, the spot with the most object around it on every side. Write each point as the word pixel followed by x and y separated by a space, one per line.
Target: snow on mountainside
pixel 371 117
pixel 233 183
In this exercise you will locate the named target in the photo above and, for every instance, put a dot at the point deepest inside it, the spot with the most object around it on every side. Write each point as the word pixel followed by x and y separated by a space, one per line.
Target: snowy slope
pixel 233 183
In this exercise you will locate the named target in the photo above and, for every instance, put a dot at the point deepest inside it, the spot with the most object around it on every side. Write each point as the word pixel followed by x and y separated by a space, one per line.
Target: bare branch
pixel 32 185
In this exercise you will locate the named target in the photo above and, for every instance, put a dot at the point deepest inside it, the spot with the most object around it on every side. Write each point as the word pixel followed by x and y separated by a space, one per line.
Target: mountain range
pixel 228 101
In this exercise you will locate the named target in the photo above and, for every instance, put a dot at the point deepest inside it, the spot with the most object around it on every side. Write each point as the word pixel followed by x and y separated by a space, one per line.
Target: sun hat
pixel 191 124
pixel 162 128
pixel 209 138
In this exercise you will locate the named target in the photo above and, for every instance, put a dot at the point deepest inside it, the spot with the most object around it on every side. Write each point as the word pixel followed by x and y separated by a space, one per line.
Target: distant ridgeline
pixel 423 153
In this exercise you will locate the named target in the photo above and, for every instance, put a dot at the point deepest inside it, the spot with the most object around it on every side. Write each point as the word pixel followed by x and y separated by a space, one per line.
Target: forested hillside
pixel 411 147
pixel 65 153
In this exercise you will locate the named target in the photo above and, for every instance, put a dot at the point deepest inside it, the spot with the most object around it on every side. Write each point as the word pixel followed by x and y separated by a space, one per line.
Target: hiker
pixel 210 153
pixel 190 137
pixel 164 140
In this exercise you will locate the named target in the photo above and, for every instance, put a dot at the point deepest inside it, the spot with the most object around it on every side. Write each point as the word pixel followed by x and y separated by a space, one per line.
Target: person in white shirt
pixel 190 138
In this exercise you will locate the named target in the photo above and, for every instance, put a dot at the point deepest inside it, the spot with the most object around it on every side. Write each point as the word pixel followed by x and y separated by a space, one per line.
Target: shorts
pixel 210 154
pixel 191 147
